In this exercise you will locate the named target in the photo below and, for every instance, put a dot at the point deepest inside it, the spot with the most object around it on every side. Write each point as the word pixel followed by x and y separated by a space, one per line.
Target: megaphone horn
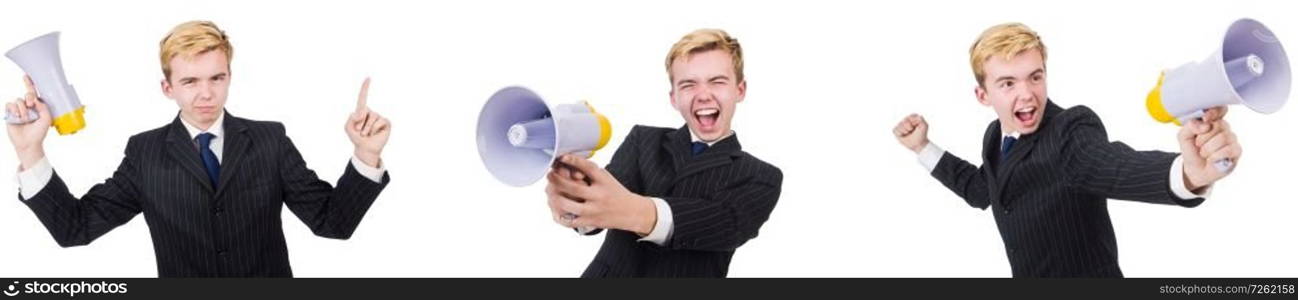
pixel 519 136
pixel 39 58
pixel 1249 67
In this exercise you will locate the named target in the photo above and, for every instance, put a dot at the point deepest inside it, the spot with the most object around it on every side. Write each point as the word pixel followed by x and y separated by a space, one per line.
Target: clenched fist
pixel 912 132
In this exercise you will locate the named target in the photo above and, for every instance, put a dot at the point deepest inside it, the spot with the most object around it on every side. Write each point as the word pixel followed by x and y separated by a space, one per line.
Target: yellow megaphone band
pixel 1154 103
pixel 70 122
pixel 605 129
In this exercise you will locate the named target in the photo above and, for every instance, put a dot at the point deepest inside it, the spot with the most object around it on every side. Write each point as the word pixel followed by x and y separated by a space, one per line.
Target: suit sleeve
pixel 964 179
pixel 74 222
pixel 623 166
pixel 727 218
pixel 332 212
pixel 1113 169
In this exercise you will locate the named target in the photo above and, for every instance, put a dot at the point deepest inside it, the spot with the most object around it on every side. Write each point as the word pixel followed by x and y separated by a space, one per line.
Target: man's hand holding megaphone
pixel 28 138
pixel 583 195
pixel 1203 142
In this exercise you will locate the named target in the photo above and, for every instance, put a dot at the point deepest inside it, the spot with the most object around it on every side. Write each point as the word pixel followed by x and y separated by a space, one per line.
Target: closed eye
pixel 685 84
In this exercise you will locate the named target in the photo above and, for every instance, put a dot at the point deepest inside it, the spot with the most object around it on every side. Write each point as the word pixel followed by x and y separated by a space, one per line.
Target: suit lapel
pixel 1008 167
pixel 686 163
pixel 236 146
pixel 677 147
pixel 185 153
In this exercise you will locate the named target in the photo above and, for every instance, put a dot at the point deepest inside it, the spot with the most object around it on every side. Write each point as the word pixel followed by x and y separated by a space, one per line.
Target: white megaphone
pixel 39 58
pixel 1249 67
pixel 519 136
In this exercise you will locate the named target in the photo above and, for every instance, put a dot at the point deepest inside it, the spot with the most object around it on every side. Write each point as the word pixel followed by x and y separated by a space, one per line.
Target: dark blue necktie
pixel 209 158
pixel 698 147
pixel 1006 144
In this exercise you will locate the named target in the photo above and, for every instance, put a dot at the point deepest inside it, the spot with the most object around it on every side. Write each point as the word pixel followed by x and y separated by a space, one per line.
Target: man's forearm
pixel 29 157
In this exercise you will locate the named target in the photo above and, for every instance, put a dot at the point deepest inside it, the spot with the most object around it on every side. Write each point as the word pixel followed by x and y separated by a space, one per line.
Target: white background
pixel 827 81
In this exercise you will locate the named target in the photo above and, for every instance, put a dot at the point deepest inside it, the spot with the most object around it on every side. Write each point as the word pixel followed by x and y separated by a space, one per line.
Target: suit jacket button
pixel 1006 211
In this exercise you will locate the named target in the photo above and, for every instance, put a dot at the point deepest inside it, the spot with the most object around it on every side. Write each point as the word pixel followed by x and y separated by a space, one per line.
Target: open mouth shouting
pixel 1027 116
pixel 706 118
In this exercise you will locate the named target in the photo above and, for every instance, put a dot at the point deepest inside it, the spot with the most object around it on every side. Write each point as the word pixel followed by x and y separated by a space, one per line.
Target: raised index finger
pixel 365 90
pixel 31 87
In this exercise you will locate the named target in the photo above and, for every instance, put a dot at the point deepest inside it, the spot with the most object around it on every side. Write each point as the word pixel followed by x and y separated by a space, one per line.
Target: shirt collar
pixel 1014 135
pixel 695 138
pixel 217 129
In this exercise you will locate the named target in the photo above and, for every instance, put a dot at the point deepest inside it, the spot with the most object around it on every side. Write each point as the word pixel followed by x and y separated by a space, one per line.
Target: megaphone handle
pixel 1224 165
pixel 582 230
pixel 1196 115
pixel 13 119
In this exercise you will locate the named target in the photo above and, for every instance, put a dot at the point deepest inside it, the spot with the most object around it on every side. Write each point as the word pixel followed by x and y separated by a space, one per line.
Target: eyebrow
pixel 713 78
pixel 193 78
pixel 1008 77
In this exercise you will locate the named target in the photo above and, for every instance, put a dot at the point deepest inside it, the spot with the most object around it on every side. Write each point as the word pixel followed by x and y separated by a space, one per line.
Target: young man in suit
pixel 677 202
pixel 1047 171
pixel 211 185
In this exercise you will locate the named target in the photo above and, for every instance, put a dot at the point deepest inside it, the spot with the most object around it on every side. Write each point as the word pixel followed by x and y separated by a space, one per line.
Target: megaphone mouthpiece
pixel 536 134
pixel 1244 69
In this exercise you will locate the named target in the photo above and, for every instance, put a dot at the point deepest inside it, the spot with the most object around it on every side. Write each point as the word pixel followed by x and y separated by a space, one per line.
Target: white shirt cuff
pixel 34 179
pixel 930 156
pixel 663 228
pixel 373 173
pixel 1176 178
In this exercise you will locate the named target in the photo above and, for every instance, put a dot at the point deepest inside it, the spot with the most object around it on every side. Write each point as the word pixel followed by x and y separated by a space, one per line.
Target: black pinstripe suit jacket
pixel 719 199
pixel 234 230
pixel 1049 195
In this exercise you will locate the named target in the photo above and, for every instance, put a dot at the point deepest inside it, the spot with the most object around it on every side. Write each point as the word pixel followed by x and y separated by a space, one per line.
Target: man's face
pixel 199 85
pixel 705 91
pixel 1016 90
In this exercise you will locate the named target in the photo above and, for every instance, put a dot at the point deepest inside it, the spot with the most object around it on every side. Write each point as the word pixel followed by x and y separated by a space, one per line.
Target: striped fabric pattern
pixel 719 200
pixel 231 231
pixel 1049 196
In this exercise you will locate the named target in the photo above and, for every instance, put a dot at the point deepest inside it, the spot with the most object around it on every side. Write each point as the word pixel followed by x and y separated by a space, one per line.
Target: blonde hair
pixel 1005 40
pixel 704 40
pixel 191 39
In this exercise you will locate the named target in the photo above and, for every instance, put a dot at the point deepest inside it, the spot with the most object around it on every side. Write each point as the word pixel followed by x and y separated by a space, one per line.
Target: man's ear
pixel 743 90
pixel 166 88
pixel 981 94
pixel 671 95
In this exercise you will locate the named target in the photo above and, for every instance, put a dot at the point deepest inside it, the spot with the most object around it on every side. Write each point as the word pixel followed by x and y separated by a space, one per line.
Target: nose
pixel 205 91
pixel 1023 93
pixel 705 94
